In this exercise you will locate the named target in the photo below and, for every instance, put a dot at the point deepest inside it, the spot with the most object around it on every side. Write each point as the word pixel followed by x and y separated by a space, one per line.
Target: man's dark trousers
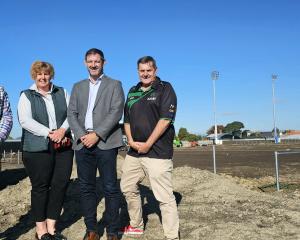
pixel 88 161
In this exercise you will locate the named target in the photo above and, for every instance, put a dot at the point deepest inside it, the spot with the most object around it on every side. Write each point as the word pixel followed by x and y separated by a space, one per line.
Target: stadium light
pixel 274 78
pixel 214 78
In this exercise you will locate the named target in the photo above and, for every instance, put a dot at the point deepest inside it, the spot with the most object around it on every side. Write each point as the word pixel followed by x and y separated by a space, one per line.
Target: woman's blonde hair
pixel 39 67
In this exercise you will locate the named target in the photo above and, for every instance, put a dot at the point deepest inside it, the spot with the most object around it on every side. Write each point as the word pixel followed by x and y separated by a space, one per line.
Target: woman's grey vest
pixel 31 142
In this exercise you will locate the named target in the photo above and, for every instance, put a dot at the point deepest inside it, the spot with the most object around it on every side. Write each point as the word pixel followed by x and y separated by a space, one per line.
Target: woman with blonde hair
pixel 47 153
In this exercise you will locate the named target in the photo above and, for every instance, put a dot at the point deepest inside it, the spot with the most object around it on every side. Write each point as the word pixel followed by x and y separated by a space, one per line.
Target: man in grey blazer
pixel 95 108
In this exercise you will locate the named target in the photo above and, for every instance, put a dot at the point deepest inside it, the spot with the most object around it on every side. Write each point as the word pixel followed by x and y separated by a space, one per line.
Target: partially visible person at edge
pixel 6 119
pixel 96 107
pixel 148 120
pixel 42 112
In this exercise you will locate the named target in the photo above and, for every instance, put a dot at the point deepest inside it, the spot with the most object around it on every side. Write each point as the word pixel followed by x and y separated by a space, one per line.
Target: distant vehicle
pixel 194 144
pixel 203 144
pixel 177 143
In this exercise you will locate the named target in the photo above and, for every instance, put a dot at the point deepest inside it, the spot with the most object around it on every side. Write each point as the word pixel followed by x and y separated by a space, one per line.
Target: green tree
pixel 220 129
pixel 182 133
pixel 255 135
pixel 192 137
pixel 234 127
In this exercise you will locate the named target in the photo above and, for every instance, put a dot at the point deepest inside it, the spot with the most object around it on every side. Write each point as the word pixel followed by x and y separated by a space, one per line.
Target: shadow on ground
pixel 23 226
pixel 10 177
pixel 72 207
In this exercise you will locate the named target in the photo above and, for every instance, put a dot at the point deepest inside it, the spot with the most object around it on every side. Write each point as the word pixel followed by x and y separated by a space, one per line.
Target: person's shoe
pixel 58 236
pixel 129 230
pixel 112 237
pixel 45 236
pixel 91 236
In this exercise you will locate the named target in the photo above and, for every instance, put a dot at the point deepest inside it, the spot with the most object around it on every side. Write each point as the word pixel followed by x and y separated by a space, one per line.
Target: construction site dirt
pixel 236 203
pixel 248 161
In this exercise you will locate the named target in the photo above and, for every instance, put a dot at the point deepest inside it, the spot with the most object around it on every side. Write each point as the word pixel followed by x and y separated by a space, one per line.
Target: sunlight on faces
pixel 42 80
pixel 42 73
pixel 147 73
pixel 94 64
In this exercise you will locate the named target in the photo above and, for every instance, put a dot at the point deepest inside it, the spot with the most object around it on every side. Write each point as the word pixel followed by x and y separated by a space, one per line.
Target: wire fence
pixel 10 157
pixel 277 154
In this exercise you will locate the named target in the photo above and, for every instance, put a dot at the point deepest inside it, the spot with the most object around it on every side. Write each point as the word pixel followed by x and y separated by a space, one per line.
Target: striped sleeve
pixel 6 120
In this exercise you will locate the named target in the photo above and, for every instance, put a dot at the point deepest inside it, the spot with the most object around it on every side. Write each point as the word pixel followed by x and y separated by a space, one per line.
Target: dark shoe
pixel 58 236
pixel 91 236
pixel 45 236
pixel 112 237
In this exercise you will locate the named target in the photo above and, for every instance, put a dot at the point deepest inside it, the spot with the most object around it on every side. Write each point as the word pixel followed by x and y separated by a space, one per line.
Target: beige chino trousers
pixel 159 172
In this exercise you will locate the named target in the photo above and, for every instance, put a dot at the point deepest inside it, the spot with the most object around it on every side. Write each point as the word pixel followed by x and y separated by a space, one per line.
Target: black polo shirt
pixel 144 109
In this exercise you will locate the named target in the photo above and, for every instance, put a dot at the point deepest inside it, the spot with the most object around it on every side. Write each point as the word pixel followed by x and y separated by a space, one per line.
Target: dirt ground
pixel 250 161
pixel 229 205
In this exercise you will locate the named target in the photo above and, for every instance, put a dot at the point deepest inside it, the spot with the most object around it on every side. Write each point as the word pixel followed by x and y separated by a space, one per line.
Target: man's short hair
pixel 95 51
pixel 39 67
pixel 147 59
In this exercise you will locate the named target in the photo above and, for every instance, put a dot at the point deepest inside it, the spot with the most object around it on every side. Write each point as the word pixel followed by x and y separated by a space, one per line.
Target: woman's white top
pixel 31 125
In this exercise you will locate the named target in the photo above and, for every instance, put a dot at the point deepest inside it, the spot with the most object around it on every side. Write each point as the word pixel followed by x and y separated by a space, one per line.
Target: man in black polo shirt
pixel 149 115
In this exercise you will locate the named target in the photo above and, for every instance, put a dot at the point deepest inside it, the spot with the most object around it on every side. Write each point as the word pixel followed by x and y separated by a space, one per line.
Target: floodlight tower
pixel 214 78
pixel 274 78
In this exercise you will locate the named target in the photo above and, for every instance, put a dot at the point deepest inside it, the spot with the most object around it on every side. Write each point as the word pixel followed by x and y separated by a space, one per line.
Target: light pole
pixel 214 77
pixel 274 78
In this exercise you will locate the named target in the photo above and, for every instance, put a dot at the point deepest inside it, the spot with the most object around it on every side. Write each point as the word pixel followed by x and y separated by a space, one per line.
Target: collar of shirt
pixel 34 87
pixel 92 81
pixel 154 85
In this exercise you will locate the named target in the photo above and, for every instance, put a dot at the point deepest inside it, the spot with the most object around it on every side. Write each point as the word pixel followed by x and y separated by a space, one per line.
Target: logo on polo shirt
pixel 172 108
pixel 151 98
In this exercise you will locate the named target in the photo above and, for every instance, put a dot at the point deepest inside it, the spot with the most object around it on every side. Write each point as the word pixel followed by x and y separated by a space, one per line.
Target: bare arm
pixel 131 142
pixel 159 129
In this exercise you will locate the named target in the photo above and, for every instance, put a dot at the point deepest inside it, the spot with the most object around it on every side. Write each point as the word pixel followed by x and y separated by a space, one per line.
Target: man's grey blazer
pixel 107 112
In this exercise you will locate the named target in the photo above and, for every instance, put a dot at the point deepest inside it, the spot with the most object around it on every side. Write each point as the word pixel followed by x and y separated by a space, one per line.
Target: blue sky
pixel 246 41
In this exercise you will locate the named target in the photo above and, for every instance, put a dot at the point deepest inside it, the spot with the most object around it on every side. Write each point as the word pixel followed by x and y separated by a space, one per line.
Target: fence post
pixel 277 171
pixel 11 156
pixel 18 157
pixel 214 159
